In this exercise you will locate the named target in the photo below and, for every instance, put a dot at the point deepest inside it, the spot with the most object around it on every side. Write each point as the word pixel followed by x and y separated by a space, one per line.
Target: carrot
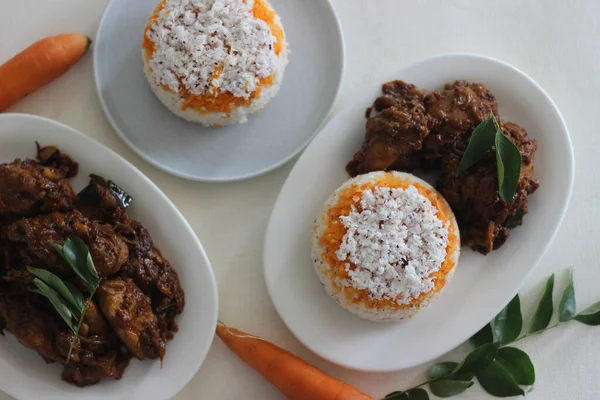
pixel 293 377
pixel 39 64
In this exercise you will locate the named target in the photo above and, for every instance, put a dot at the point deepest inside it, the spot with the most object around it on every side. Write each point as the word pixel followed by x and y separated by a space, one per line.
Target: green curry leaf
pixel 418 394
pixel 543 314
pixel 590 316
pixel 509 322
pixel 66 299
pixel 567 306
pixel 57 302
pixel 482 139
pixel 508 160
pixel 483 336
pixel 73 300
pixel 77 255
pixel 498 381
pixel 449 387
pixel 477 359
pixel 508 157
pixel 442 369
pixel 518 363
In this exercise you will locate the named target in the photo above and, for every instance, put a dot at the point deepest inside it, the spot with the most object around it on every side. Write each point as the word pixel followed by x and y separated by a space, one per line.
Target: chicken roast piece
pixel 129 312
pixel 155 276
pixel 95 366
pixel 133 311
pixel 32 236
pixel 98 203
pixel 146 266
pixel 395 133
pixel 455 112
pixel 484 218
pixel 33 327
pixel 30 187
pixel 97 351
pixel 412 129
pixel 96 354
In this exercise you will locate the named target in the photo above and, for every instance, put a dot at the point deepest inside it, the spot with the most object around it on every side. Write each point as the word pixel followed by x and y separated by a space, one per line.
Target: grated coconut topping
pixel 193 37
pixel 395 242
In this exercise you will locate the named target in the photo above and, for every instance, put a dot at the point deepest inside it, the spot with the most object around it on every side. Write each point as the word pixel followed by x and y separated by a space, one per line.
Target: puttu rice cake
pixel 213 62
pixel 385 244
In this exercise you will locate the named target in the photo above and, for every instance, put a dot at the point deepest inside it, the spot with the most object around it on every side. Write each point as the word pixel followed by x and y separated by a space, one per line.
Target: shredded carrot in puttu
pixel 262 10
pixel 148 44
pixel 334 232
pixel 215 101
pixel 221 102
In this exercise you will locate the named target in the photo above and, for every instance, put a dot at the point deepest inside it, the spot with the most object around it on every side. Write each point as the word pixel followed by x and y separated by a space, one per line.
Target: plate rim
pixel 214 310
pixel 570 162
pixel 238 178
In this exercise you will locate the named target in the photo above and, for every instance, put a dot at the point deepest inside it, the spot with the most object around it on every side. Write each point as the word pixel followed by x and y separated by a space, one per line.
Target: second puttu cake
pixel 385 244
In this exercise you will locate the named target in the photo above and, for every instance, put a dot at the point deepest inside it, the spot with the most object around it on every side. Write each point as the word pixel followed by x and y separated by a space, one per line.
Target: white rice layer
pixel 174 102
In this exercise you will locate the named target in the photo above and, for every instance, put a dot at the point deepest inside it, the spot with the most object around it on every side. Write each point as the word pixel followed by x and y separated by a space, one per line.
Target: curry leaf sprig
pixel 508 156
pixel 66 299
pixel 500 369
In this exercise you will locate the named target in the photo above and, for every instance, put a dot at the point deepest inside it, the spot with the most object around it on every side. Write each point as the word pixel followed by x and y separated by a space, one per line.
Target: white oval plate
pixel 269 138
pixel 24 375
pixel 482 284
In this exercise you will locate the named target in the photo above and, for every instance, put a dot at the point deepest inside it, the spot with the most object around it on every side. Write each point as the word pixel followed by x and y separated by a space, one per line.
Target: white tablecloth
pixel 556 42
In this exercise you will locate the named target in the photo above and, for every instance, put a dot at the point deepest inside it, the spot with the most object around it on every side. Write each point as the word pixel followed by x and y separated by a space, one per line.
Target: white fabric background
pixel 555 42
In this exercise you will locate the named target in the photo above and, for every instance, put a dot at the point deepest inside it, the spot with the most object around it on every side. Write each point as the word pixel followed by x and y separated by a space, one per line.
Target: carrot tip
pixel 89 42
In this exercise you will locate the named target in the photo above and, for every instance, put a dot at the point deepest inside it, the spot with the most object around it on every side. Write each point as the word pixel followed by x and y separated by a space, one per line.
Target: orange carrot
pixel 293 377
pixel 38 65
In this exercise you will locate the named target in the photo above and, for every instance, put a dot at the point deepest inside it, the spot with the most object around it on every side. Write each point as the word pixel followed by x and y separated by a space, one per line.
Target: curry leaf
pixel 518 363
pixel 566 309
pixel 484 336
pixel 76 295
pixel 477 359
pixel 482 139
pixel 508 160
pixel 509 322
pixel 77 255
pixel 412 394
pixel 55 283
pixel 418 394
pixel 501 370
pixel 98 180
pixel 449 387
pixel 119 194
pixel 590 316
pixel 508 157
pixel 56 301
pixel 84 257
pixel 58 248
pixel 397 396
pixel 543 314
pixel 69 254
pixel 442 369
pixel 498 381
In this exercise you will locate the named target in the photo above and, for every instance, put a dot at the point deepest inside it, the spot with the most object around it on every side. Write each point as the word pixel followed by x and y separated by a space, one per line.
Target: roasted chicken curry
pixel 409 128
pixel 133 311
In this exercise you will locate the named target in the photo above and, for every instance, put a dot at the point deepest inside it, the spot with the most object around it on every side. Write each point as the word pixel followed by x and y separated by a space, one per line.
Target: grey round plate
pixel 268 140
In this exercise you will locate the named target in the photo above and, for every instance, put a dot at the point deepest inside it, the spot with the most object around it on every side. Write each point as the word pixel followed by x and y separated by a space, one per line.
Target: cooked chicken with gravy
pixel 133 311
pixel 33 235
pixel 409 128
pixel 130 313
